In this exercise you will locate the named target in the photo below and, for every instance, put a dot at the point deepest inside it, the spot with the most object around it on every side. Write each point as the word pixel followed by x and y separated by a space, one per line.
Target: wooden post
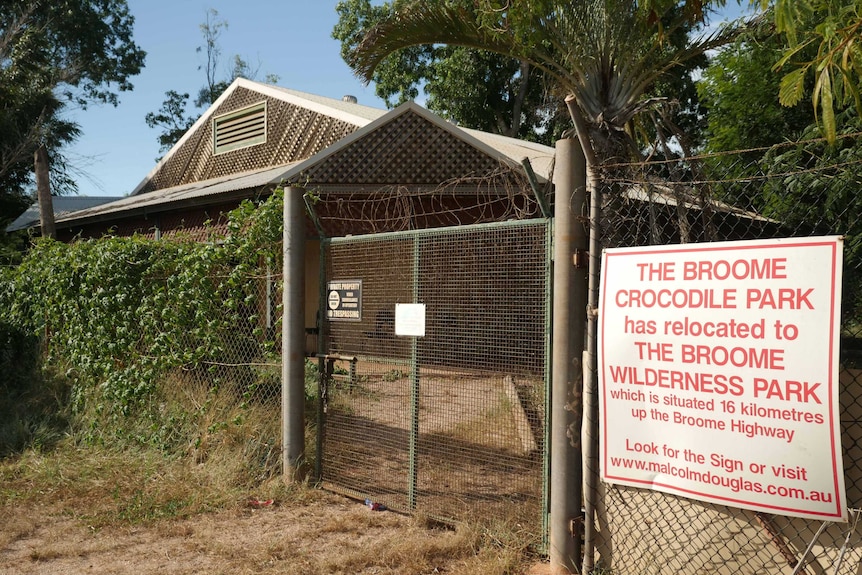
pixel 43 192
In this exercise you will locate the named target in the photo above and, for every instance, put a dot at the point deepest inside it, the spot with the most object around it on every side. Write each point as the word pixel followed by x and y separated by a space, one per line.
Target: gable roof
pixel 338 144
pixel 411 145
pixel 298 126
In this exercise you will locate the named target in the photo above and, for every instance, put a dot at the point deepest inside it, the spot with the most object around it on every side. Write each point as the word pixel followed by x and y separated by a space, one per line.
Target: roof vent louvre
pixel 239 129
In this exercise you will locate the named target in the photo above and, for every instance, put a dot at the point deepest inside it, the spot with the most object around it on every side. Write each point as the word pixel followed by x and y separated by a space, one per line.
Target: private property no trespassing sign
pixel 718 373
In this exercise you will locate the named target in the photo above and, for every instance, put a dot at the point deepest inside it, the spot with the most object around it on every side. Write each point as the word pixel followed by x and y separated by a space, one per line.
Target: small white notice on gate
pixel 410 319
pixel 718 373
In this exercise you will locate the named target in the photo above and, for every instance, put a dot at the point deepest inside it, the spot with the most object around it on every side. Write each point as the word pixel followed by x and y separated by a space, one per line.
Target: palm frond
pixel 421 23
pixel 604 53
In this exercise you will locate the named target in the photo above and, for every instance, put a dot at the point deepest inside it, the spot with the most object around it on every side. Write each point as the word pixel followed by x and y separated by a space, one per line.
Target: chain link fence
pixel 226 402
pixel 450 424
pixel 247 364
pixel 793 190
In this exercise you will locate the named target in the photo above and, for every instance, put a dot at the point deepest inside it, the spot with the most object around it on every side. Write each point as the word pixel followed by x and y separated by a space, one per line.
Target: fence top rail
pixel 448 230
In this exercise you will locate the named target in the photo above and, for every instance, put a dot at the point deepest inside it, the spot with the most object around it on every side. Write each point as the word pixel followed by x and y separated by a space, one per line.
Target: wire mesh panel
pixel 367 399
pixel 451 423
pixel 239 351
pixel 733 197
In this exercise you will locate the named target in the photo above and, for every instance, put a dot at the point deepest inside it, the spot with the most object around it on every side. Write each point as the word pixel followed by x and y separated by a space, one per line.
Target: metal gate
pixel 452 423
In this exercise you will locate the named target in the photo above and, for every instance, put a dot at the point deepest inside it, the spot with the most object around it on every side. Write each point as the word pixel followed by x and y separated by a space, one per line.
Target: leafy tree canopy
pixel 792 173
pixel 473 88
pixel 82 48
pixel 813 187
pixel 822 43
pixel 739 90
pixel 605 57
pixel 52 54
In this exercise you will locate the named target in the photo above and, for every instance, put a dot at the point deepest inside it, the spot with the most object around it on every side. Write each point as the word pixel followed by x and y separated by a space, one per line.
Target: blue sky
pixel 290 38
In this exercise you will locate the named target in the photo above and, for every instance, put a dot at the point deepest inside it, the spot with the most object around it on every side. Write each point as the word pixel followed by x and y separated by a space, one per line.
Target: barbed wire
pixel 733 180
pixel 761 149
pixel 500 195
pixel 636 172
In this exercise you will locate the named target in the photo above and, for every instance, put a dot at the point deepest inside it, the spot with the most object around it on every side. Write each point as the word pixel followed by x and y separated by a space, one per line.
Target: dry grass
pixel 84 510
pixel 183 507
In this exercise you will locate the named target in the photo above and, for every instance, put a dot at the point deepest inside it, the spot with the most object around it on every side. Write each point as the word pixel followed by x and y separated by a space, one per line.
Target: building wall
pixel 199 224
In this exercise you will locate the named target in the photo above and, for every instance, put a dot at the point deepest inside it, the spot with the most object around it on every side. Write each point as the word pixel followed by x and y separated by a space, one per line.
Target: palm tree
pixel 602 55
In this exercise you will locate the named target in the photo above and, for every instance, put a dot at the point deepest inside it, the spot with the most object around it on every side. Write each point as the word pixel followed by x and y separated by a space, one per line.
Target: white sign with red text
pixel 718 373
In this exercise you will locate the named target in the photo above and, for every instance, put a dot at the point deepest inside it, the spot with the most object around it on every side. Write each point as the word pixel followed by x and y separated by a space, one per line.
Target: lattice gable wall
pixel 405 151
pixel 293 133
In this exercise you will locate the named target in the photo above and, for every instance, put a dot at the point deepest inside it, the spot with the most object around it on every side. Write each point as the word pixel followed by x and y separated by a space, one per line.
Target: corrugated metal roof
pixel 198 192
pixel 663 194
pixel 355 113
pixel 63 205
pixel 541 156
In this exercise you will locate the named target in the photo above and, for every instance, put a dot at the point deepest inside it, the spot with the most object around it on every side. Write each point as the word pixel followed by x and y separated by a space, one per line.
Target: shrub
pixel 121 317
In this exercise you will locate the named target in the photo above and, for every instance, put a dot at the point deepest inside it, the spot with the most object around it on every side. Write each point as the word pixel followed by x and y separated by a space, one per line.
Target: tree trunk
pixel 43 192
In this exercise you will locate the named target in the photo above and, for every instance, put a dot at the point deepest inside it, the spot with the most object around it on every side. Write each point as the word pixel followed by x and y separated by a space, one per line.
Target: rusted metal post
pixel 570 300
pixel 293 336
pixel 590 407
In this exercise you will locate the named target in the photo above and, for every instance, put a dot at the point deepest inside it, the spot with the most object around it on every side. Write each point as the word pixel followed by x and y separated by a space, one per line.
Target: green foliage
pixel 51 54
pixel 609 55
pixel 12 244
pixel 678 112
pixel 473 88
pixel 808 187
pixel 172 119
pixel 82 47
pixel 312 382
pixel 33 401
pixel 739 92
pixel 812 188
pixel 832 29
pixel 124 314
pixel 29 114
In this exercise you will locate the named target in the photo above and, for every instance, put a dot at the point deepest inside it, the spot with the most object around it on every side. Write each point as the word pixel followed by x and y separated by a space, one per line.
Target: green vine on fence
pixel 121 313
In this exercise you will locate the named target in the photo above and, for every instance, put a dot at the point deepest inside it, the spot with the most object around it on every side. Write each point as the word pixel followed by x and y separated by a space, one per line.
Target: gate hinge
pixel 581 259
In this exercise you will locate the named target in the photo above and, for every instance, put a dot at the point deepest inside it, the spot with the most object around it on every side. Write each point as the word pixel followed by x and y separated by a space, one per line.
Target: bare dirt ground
pixel 327 535
pixel 475 459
